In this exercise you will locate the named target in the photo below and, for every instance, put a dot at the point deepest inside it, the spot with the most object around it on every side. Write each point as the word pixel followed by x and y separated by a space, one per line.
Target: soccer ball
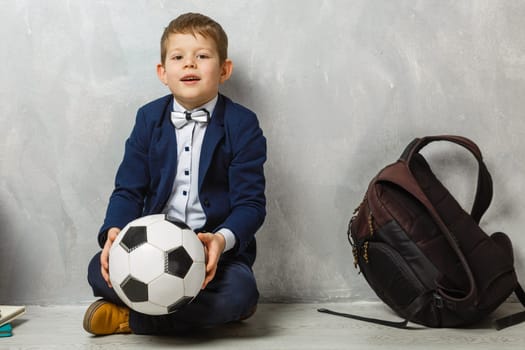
pixel 156 266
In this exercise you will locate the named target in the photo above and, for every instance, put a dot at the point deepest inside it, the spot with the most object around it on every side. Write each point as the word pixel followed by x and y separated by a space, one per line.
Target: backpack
pixel 423 255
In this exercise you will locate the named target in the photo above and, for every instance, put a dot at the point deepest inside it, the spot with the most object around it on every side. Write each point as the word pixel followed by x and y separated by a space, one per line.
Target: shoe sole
pixel 89 314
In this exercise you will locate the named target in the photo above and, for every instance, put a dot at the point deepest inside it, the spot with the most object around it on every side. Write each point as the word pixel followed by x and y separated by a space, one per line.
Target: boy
pixel 197 157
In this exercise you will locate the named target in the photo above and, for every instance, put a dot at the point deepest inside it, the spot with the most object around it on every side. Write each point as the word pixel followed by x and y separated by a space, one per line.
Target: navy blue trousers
pixel 229 296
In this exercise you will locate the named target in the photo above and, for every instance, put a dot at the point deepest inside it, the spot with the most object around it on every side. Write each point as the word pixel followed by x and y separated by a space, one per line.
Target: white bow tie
pixel 179 119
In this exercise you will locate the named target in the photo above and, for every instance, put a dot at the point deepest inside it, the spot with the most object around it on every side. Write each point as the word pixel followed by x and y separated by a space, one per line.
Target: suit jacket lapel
pixel 166 139
pixel 214 133
pixel 165 155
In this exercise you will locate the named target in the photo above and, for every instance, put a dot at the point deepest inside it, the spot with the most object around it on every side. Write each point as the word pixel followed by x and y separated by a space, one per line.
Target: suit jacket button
pixel 206 203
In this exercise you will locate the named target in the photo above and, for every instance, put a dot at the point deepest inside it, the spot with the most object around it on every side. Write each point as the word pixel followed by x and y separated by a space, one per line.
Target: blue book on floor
pixel 6 330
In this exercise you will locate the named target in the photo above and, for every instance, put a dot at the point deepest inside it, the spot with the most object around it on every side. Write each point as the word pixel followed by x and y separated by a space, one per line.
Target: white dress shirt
pixel 184 204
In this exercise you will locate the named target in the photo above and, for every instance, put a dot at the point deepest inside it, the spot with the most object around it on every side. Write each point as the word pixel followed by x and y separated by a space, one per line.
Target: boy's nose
pixel 190 62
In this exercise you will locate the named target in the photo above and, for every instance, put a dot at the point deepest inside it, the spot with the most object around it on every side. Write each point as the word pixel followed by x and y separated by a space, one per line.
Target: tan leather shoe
pixel 103 317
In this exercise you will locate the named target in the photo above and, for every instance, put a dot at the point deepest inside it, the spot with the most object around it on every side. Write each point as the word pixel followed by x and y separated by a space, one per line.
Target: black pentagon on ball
pixel 135 290
pixel 179 303
pixel 134 237
pixel 179 262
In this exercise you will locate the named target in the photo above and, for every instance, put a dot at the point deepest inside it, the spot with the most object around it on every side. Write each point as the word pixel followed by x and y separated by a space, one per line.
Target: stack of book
pixel 7 314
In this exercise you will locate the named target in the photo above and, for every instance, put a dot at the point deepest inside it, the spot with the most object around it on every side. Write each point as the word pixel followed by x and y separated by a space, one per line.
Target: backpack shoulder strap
pixel 516 318
pixel 484 187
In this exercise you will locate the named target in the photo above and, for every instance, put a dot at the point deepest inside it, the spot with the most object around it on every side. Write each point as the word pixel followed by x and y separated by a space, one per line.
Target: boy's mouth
pixel 190 78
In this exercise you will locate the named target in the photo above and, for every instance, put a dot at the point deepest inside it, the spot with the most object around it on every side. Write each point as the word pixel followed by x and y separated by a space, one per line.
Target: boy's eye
pixel 176 57
pixel 202 56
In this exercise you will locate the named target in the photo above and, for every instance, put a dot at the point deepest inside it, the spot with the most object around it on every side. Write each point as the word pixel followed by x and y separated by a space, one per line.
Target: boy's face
pixel 192 69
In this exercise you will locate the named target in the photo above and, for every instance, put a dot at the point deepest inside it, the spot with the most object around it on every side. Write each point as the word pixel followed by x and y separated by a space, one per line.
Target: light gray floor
pixel 274 326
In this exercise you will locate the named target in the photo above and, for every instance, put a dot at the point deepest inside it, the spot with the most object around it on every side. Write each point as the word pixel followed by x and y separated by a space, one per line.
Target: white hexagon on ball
pixel 193 245
pixel 146 263
pixel 149 308
pixel 160 234
pixel 118 265
pixel 164 287
pixel 193 281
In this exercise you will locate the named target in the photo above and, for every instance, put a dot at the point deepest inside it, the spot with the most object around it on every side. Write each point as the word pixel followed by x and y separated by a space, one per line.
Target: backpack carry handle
pixel 483 195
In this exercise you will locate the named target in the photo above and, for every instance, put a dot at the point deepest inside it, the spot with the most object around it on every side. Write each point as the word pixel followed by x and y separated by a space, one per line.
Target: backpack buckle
pixel 438 301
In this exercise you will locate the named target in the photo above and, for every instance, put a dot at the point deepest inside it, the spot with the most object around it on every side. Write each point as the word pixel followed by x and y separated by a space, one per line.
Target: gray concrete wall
pixel 340 88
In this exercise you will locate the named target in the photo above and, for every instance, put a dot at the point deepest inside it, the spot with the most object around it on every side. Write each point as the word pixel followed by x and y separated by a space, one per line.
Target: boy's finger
pixel 105 275
pixel 204 237
pixel 212 262
pixel 209 277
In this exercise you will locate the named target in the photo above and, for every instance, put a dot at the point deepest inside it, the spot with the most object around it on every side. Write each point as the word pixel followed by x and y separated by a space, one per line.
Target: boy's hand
pixel 104 257
pixel 213 247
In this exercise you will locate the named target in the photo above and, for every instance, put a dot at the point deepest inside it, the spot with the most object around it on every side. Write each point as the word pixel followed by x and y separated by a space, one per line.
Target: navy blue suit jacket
pixel 231 176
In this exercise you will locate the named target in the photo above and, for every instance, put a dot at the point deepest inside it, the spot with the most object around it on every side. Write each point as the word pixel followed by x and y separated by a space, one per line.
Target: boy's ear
pixel 226 70
pixel 161 73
